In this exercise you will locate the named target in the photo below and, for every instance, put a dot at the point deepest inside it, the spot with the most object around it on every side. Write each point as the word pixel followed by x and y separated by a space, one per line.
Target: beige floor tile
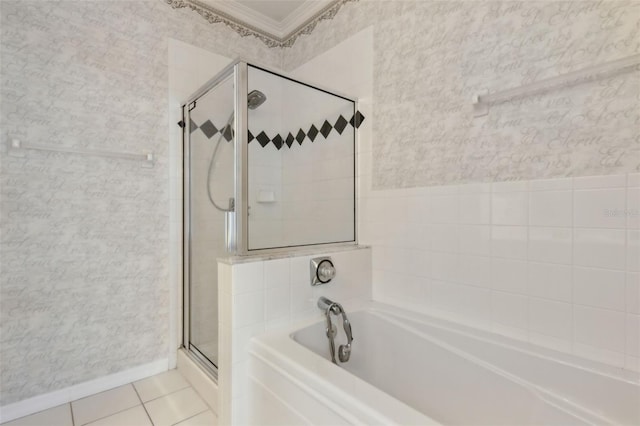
pixel 160 385
pixel 135 416
pixel 203 419
pixel 173 408
pixel 104 404
pixel 56 416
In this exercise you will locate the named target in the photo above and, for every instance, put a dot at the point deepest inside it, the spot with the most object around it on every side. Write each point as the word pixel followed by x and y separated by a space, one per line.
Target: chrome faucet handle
pixel 326 271
pixel 322 270
pixel 330 307
pixel 344 351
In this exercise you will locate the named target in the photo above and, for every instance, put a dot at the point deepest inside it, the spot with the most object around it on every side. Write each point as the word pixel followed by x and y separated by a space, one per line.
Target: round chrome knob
pixel 326 271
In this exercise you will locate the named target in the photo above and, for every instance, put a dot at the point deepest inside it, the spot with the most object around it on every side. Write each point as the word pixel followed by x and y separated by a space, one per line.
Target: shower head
pixel 255 99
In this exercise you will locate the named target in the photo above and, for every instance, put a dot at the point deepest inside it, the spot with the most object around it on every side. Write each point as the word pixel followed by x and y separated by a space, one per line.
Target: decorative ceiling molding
pixel 278 28
pixel 214 16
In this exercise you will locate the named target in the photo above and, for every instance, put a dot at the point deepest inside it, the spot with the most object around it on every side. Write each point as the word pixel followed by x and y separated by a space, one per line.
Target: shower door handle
pixel 230 231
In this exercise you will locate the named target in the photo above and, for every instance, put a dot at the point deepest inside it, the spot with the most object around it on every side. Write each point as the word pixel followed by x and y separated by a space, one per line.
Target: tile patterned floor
pixel 162 400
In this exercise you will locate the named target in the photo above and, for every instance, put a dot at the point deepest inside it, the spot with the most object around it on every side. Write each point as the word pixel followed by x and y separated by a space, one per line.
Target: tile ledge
pixel 299 252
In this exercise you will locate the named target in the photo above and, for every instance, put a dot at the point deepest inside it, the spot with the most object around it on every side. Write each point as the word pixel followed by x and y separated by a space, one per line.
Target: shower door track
pixel 207 365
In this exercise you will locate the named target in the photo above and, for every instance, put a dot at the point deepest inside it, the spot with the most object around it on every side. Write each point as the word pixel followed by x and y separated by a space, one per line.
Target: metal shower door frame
pixel 242 248
pixel 240 106
pixel 239 68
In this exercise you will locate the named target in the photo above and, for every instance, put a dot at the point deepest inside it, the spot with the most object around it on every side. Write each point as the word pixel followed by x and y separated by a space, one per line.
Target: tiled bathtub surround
pixel 550 261
pixel 263 295
pixel 554 262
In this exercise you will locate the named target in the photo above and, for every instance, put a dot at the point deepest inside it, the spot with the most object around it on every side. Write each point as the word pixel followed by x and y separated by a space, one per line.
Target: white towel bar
pixel 483 100
pixel 16 148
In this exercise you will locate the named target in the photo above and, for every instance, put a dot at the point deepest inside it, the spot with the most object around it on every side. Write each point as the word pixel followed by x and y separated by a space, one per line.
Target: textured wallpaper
pixel 84 282
pixel 431 58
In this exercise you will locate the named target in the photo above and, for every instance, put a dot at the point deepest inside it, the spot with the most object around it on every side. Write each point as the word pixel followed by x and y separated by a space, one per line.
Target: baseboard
pixel 204 385
pixel 62 396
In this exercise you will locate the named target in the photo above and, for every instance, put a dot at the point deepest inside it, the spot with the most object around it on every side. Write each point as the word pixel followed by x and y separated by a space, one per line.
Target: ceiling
pixel 277 10
pixel 277 18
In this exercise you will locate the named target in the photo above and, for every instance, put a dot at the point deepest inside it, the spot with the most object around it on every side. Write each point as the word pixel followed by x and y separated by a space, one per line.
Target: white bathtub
pixel 412 369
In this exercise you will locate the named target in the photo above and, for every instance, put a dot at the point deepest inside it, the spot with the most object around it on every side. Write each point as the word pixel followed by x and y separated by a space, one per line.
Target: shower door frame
pixel 242 176
pixel 240 70
pixel 240 108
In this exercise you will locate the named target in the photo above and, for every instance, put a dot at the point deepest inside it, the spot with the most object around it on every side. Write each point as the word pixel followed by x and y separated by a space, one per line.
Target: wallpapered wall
pixel 431 58
pixel 84 283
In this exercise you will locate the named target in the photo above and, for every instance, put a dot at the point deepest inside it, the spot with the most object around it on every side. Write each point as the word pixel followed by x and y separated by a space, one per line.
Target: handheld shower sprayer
pixel 255 98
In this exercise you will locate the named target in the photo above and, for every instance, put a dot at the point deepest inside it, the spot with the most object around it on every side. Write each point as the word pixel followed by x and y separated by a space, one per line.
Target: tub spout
pixel 329 307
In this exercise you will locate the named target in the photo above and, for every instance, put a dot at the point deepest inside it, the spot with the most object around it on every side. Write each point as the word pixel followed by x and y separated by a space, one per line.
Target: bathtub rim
pixel 279 343
pixel 545 395
pixel 331 384
pixel 477 333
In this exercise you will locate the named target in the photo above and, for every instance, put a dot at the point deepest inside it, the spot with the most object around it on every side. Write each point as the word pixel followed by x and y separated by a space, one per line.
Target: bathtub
pixel 408 368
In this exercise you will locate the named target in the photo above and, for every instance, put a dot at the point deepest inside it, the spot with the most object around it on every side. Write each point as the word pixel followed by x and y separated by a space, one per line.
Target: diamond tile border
pixel 210 130
pixel 214 16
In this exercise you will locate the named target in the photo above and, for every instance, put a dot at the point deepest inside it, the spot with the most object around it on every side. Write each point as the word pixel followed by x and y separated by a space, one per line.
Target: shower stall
pixel 269 165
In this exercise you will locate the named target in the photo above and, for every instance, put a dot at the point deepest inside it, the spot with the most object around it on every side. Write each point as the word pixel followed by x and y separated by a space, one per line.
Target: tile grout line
pixel 527 249
pixel 166 394
pixel 104 417
pixel 112 414
pixel 73 422
pixel 572 328
pixel 142 403
pixel 197 414
pixel 627 249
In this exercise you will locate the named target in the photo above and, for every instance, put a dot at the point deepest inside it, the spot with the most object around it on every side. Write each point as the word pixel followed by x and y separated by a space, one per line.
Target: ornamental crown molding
pixel 215 15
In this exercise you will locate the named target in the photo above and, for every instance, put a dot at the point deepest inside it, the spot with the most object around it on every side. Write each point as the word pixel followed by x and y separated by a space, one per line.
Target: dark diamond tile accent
pixel 250 137
pixel 341 123
pixel 192 126
pixel 227 133
pixel 326 129
pixel 300 136
pixel 208 129
pixel 263 139
pixel 312 133
pixel 277 141
pixel 289 140
pixel 357 119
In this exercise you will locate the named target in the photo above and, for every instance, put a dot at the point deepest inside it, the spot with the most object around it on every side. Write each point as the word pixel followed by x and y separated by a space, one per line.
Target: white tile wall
pixel 633 293
pixel 554 262
pixel 604 248
pixel 550 208
pixel 257 296
pixel 550 318
pixel 553 245
pixel 560 220
pixel 312 182
pixel 550 281
pixel 589 205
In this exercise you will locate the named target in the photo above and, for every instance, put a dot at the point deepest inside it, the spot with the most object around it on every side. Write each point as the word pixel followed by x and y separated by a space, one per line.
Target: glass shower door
pixel 209 167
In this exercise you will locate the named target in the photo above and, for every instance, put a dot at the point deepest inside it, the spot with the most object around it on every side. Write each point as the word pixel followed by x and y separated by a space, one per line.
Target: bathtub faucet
pixel 329 307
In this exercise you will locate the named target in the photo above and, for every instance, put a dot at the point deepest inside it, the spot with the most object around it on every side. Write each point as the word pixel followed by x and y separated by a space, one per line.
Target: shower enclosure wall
pixel 269 165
